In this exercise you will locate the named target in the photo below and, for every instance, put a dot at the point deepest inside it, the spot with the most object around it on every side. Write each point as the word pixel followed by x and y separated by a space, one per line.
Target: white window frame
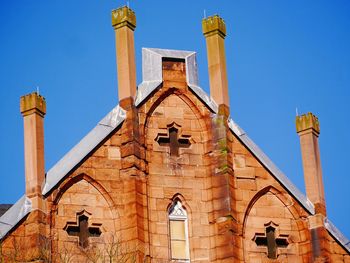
pixel 178 213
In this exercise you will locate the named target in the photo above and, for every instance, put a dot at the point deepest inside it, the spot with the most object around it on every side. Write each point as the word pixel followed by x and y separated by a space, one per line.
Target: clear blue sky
pixel 280 55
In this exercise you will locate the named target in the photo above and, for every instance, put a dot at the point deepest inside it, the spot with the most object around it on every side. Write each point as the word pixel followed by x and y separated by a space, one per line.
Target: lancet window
pixel 178 224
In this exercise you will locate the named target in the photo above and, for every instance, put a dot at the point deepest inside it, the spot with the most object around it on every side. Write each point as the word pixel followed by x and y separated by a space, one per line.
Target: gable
pixel 277 173
pixel 285 182
pixel 287 226
pixel 152 80
pixel 107 125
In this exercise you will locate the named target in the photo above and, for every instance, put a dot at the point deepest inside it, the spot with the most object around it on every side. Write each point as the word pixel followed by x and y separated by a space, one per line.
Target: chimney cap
pixel 214 25
pixel 307 121
pixel 123 16
pixel 33 103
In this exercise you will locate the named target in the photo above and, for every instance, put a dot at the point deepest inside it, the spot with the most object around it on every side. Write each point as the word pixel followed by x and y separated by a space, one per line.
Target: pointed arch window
pixel 178 224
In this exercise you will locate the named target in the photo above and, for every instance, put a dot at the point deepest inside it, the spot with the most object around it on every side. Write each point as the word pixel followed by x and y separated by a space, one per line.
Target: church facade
pixel 168 176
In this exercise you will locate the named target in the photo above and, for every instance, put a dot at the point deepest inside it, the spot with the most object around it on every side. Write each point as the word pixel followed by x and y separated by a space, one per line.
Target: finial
pixel 123 16
pixel 307 121
pixel 33 103
pixel 213 25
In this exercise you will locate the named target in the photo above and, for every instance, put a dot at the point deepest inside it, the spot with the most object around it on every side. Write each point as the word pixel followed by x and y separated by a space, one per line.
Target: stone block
pixel 239 161
pixel 246 184
pixel 114 153
pixel 156 192
pixel 242 173
pixel 252 162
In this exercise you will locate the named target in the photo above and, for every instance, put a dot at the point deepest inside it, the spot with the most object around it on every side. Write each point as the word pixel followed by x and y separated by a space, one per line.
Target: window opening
pixel 82 230
pixel 270 241
pixel 173 140
pixel 178 223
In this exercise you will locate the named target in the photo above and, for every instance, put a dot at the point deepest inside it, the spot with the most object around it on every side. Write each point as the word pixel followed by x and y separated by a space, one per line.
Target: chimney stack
pixel 33 109
pixel 214 30
pixel 308 129
pixel 124 23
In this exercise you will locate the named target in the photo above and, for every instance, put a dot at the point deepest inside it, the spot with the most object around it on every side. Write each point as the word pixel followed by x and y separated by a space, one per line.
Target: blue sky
pixel 281 55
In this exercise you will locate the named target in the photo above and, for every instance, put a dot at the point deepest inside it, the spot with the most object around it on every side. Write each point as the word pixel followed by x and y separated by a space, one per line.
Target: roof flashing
pixel 152 74
pixel 109 123
pixel 274 170
pixel 14 215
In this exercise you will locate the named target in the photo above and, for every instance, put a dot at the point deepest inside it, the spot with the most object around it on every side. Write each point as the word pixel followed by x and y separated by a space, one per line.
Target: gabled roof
pixel 14 215
pixel 285 182
pixel 261 156
pixel 283 179
pixel 152 79
pixel 108 124
pixel 4 208
pixel 334 231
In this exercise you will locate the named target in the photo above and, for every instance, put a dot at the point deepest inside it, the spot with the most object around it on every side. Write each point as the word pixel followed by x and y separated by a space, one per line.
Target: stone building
pixel 168 176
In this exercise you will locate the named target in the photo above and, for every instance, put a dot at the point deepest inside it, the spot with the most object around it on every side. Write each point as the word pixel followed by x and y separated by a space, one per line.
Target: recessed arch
pixel 183 96
pixel 82 215
pixel 279 194
pixel 73 180
pixel 271 205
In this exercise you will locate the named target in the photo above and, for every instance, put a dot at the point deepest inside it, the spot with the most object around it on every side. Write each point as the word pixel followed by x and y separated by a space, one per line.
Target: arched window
pixel 179 245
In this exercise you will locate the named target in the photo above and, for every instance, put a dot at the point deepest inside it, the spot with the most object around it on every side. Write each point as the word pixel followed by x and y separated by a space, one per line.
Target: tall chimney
pixel 124 23
pixel 33 109
pixel 214 30
pixel 308 129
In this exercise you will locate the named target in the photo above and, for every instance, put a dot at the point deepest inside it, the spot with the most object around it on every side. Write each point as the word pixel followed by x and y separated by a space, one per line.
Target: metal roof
pixel 14 215
pixel 108 124
pixel 283 179
pixel 152 78
pixel 337 234
pixel 4 208
pixel 152 74
pixel 261 156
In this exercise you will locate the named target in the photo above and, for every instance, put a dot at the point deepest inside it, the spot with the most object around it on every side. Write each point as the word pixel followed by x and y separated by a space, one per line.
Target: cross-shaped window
pixel 173 140
pixel 82 230
pixel 270 241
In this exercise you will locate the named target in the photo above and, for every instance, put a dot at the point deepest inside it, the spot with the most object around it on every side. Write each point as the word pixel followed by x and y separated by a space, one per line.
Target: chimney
pixel 214 30
pixel 124 23
pixel 33 109
pixel 308 129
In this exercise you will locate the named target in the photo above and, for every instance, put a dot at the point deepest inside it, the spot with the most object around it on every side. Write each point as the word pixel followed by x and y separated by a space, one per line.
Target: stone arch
pixel 83 176
pixel 186 173
pixel 271 206
pixel 279 194
pixel 186 98
pixel 182 199
pixel 81 195
pixel 187 116
pixel 186 206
